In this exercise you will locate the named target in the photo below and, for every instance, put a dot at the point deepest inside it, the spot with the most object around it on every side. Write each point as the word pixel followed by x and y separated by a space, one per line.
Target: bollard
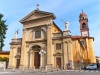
pixel 4 69
pixel 45 69
pixel 34 69
pixel 13 69
pixel 52 69
pixel 57 67
pixel 23 69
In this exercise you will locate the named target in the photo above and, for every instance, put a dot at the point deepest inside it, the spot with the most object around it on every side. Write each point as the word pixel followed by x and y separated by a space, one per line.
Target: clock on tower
pixel 85 33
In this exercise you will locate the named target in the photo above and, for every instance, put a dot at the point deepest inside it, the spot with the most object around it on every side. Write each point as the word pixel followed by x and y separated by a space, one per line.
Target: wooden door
pixel 36 60
pixel 58 62
pixel 18 63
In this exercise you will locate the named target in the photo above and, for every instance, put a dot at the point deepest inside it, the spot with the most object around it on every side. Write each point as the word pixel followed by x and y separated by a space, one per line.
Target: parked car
pixel 91 67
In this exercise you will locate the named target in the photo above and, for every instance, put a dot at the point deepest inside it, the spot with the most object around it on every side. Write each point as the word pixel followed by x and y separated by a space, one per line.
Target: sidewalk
pixel 17 70
pixel 27 70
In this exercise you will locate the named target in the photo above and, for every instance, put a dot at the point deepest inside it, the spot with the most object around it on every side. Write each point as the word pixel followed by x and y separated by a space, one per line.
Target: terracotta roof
pixel 83 14
pixel 4 52
pixel 81 37
pixel 78 36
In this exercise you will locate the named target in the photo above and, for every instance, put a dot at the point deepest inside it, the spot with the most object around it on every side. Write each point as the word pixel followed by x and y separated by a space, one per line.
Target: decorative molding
pixel 49 26
pixel 27 45
pixel 57 54
pixel 24 30
pixel 42 13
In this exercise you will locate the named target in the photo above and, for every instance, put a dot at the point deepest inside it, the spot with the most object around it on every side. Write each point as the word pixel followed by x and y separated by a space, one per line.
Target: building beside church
pixel 43 43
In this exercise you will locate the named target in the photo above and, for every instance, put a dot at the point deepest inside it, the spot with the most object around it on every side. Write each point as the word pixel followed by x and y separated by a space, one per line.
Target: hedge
pixel 4 59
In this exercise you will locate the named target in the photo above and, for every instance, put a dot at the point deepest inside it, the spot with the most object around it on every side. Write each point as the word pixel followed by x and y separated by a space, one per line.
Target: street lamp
pixel 42 52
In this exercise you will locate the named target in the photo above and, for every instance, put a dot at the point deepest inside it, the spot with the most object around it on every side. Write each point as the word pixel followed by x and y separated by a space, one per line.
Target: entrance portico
pixel 35 57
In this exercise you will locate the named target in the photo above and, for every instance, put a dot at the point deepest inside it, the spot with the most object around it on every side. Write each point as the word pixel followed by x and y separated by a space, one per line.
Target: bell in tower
pixel 83 19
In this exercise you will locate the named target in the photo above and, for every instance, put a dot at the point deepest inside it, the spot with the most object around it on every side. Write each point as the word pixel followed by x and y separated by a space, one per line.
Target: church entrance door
pixel 58 62
pixel 36 60
pixel 18 63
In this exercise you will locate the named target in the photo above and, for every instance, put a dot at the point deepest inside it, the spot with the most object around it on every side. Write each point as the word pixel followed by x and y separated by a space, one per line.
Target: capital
pixel 49 26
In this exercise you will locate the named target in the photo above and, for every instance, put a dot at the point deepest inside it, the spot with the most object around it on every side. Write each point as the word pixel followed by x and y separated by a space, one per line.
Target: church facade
pixel 43 43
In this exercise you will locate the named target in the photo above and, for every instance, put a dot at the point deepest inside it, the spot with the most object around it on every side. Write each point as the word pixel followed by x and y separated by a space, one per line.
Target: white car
pixel 91 67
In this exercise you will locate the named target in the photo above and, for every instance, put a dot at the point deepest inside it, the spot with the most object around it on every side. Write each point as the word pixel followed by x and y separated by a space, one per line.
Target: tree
pixel 3 29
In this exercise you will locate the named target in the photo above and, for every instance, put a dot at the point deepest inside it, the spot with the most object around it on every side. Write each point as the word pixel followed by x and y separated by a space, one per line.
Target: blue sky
pixel 64 10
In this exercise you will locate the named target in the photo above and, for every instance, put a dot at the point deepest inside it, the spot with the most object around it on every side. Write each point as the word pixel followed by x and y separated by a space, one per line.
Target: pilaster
pixel 65 54
pixel 49 43
pixel 31 54
pixel 23 47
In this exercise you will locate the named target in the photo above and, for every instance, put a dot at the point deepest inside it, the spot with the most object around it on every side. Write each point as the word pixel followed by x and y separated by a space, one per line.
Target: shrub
pixel 4 59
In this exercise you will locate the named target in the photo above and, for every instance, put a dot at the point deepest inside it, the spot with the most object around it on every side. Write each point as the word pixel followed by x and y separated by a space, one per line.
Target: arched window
pixel 38 34
pixel 83 25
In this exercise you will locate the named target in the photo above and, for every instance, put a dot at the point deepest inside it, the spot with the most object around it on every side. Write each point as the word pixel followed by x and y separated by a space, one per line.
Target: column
pixel 31 58
pixel 41 60
pixel 69 50
pixel 28 59
pixel 10 57
pixel 71 55
pixel 49 43
pixel 42 52
pixel 23 49
pixel 64 54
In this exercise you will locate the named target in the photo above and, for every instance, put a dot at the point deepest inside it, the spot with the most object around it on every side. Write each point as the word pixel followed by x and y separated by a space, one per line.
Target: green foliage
pixel 3 29
pixel 4 59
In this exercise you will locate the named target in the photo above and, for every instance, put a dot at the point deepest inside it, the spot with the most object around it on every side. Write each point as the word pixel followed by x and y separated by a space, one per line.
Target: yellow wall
pixel 4 55
pixel 55 29
pixel 76 50
pixel 87 52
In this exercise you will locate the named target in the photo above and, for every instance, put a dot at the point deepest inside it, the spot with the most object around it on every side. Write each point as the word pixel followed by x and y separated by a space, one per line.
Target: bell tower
pixel 84 29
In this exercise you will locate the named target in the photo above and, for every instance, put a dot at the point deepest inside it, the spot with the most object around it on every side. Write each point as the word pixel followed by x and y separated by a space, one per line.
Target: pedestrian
pixel 68 65
pixel 97 66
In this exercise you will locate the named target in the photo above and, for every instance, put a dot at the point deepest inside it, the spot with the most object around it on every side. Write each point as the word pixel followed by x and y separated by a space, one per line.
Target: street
pixel 60 72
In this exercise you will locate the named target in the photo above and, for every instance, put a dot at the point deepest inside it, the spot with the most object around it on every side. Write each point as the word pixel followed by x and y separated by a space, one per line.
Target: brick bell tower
pixel 84 29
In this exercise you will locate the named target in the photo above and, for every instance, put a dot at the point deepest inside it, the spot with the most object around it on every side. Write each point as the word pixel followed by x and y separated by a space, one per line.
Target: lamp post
pixel 42 52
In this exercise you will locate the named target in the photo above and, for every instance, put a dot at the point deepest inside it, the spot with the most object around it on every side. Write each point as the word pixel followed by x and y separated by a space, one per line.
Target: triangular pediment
pixel 37 14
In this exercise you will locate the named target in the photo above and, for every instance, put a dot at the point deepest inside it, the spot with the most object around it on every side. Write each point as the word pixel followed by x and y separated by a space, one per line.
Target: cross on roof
pixel 82 10
pixel 37 6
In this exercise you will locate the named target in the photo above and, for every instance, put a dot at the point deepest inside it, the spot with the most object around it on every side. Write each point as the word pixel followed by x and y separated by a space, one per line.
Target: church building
pixel 43 43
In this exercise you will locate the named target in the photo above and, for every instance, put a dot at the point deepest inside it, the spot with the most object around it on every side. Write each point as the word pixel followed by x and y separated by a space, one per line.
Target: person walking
pixel 97 66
